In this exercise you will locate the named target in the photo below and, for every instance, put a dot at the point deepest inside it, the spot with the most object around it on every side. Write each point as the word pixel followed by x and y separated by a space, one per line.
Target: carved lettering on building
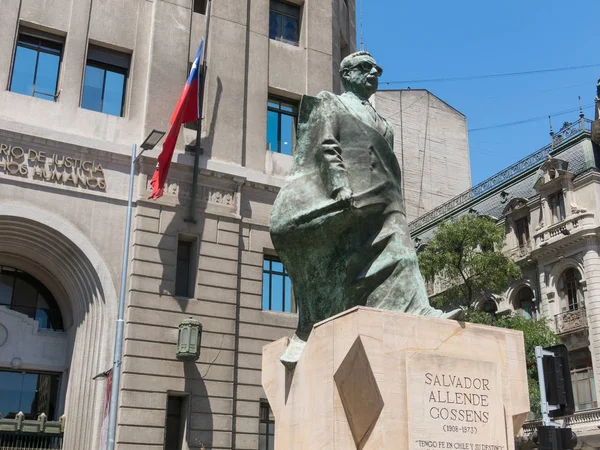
pixel 208 194
pixel 51 167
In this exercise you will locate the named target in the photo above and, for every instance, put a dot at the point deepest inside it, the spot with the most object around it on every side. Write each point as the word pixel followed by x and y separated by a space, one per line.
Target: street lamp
pixel 188 340
pixel 153 138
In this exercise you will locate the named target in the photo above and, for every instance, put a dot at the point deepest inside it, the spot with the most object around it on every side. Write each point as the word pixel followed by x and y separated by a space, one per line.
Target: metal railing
pixel 40 434
pixel 580 417
pixel 570 321
pixel 530 161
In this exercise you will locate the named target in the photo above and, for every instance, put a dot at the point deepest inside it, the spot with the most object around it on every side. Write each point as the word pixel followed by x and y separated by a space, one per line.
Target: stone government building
pixel 82 81
pixel 548 205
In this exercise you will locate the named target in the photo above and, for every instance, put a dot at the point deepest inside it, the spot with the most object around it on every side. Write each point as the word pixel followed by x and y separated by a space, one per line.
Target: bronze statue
pixel 338 223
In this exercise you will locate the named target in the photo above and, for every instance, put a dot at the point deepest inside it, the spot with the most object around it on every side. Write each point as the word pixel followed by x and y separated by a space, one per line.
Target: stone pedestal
pixel 378 380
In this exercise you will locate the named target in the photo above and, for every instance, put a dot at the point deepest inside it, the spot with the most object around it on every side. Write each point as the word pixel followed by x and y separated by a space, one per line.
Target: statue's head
pixel 360 74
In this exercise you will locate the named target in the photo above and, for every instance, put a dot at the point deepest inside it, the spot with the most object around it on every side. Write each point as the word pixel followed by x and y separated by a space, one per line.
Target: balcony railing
pixel 571 321
pixel 581 417
pixel 565 227
pixel 40 434
pixel 530 161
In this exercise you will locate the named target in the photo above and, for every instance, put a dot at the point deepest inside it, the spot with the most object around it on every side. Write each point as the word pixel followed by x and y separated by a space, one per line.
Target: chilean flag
pixel 187 110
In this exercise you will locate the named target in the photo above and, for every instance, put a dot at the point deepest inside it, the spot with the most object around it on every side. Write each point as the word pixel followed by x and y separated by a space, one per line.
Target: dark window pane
pixel 173 428
pixel 6 288
pixel 290 29
pixel 275 25
pixel 266 428
pixel 200 6
pixel 10 393
pixel 25 295
pixel 113 93
pixel 23 71
pixel 47 74
pixel 92 88
pixel 28 394
pixel 29 297
pixel 183 269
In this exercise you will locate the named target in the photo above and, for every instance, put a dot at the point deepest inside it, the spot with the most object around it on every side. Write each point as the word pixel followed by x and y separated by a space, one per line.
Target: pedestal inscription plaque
pixel 454 403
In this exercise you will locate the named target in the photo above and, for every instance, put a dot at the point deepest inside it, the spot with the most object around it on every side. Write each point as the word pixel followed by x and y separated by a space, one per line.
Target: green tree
pixel 535 332
pixel 466 256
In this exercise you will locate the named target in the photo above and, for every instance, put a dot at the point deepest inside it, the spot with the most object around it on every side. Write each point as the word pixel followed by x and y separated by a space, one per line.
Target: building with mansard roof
pixel 549 205
pixel 82 81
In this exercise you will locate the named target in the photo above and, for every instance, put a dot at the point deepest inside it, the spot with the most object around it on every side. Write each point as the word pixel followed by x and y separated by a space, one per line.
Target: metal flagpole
pixel 116 372
pixel 198 147
pixel 153 138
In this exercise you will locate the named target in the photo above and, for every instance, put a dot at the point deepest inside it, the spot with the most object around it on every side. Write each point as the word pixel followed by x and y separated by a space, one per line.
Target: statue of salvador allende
pixel 338 223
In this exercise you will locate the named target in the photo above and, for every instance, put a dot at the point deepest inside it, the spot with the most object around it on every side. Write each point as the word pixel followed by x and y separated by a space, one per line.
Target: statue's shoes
pixel 430 311
pixel 293 352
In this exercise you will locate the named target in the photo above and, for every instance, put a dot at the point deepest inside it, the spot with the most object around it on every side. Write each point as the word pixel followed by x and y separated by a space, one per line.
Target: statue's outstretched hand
pixel 344 195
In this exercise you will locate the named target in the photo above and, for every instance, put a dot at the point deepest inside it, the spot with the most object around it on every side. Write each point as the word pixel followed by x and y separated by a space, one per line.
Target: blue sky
pixel 439 39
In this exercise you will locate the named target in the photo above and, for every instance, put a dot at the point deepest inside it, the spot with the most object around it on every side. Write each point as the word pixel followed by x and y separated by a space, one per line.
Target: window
pixel 31 392
pixel 284 22
pixel 277 286
pixel 21 292
pixel 522 231
pixel 266 439
pixel 200 6
pixel 570 290
pixel 282 116
pixel 36 64
pixel 185 280
pixel 105 78
pixel 524 303
pixel 175 422
pixel 582 379
pixel 557 207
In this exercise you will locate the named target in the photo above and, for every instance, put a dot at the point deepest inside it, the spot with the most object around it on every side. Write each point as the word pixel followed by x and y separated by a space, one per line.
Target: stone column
pixel 591 264
pixel 546 294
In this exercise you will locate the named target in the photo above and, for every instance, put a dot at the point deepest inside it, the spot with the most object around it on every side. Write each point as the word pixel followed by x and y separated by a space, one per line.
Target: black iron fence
pixel 29 441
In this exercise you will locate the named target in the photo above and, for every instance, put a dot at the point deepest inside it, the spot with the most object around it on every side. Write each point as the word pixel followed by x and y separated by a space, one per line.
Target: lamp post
pixel 189 339
pixel 149 143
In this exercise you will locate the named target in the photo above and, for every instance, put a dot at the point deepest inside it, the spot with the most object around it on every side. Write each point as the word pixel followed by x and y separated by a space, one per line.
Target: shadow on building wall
pixel 175 226
pixel 200 428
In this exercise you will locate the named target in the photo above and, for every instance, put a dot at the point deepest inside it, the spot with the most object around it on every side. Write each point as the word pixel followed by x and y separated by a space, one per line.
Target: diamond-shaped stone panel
pixel 359 393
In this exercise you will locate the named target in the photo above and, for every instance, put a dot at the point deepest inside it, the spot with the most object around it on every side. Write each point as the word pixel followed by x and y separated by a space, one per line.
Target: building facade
pixel 548 205
pixel 432 146
pixel 82 82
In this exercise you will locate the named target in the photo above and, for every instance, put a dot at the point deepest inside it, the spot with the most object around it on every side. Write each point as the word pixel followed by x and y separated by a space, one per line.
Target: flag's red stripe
pixel 186 110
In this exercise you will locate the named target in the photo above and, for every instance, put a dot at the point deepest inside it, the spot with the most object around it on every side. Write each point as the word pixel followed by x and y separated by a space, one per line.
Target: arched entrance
pixel 61 258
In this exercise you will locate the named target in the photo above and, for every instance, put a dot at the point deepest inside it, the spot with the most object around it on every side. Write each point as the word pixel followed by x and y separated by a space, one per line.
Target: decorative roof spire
pixel 597 99
pixel 581 115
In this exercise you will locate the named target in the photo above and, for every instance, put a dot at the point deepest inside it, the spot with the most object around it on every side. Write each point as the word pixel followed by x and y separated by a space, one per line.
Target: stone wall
pixel 431 143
